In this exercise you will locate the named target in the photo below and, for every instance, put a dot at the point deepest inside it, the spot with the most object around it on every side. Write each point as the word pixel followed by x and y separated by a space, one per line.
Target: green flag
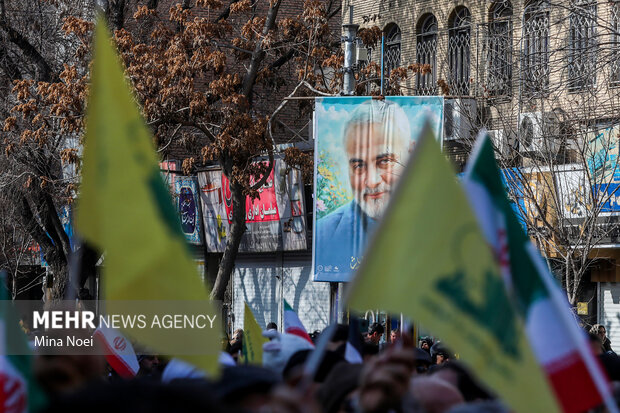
pixel 430 262
pixel 19 391
pixel 556 340
pixel 125 210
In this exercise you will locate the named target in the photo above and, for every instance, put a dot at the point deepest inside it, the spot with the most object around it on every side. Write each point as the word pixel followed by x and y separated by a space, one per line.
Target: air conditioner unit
pixel 539 134
pixel 459 118
pixel 503 142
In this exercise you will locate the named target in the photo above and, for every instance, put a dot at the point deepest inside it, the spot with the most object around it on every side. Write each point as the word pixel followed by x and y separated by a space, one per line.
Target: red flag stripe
pixel 299 333
pixel 572 384
pixel 114 360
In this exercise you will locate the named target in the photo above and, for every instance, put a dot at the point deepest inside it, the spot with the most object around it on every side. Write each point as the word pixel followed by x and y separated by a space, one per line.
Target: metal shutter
pixel 264 282
pixel 609 312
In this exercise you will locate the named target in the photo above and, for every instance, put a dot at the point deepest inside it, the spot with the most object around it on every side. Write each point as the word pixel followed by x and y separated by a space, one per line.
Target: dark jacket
pixel 340 241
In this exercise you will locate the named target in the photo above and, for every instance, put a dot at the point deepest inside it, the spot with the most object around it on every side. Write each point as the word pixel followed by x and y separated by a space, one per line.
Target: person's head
pixel 435 395
pixel 236 349
pixel 339 338
pixel 131 396
pixel 272 326
pixel 459 376
pixel 426 343
pixel 596 343
pixel 377 141
pixel 600 330
pixel 375 332
pixel 442 357
pixel 148 364
pixel 369 350
pixel 422 361
pixel 281 347
pixel 335 394
pixel 439 354
pixel 395 335
pixel 246 387
pixel 63 373
pixel 237 335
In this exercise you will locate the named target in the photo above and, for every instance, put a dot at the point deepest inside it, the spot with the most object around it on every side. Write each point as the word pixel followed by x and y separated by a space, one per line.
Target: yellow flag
pixel 125 210
pixel 429 261
pixel 253 339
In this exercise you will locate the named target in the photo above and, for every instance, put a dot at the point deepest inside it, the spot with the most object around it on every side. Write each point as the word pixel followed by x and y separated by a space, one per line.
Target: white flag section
pixel 119 353
pixel 293 325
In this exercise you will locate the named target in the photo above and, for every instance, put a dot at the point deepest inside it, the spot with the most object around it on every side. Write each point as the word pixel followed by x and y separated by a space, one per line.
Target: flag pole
pixel 75 267
pixel 316 357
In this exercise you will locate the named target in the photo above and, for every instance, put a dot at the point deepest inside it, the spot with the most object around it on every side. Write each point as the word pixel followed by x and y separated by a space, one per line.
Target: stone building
pixel 542 76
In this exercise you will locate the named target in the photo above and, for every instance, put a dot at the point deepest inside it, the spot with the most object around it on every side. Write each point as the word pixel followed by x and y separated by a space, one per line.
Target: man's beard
pixel 374 208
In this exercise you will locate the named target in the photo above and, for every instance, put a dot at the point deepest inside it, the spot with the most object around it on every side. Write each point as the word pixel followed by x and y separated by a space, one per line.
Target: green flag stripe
pixel 486 172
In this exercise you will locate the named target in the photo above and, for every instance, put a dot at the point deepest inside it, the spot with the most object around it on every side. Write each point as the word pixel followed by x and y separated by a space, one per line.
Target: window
pixel 582 46
pixel 426 54
pixel 615 43
pixel 391 49
pixel 499 49
pixel 536 48
pixel 458 51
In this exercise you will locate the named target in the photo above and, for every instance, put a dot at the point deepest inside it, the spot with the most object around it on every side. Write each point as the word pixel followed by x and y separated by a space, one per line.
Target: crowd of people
pixel 396 375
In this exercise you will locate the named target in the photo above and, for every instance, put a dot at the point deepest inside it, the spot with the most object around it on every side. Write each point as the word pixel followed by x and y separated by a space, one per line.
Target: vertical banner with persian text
pixel 188 205
pixel 275 220
pixel 361 148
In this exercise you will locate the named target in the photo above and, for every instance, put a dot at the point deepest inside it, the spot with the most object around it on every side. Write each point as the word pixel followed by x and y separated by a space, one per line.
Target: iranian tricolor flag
pixel 292 323
pixel 560 346
pixel 18 390
pixel 119 352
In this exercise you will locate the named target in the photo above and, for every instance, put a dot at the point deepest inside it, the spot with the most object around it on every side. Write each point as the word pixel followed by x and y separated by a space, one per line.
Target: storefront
pixel 265 281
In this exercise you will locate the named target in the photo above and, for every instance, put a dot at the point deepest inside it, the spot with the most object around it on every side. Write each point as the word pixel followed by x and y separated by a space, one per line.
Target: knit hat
pixel 179 369
pixel 278 351
pixel 421 356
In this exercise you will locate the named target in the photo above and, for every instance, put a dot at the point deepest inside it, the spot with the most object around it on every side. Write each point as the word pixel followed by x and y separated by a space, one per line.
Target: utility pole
pixel 349 38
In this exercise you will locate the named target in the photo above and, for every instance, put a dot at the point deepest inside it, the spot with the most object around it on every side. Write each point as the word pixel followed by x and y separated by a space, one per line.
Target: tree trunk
pixel 258 55
pixel 237 229
pixel 571 281
pixel 60 280
pixel 116 14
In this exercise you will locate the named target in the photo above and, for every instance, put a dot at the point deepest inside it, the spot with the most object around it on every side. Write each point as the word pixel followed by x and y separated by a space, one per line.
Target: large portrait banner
pixel 362 146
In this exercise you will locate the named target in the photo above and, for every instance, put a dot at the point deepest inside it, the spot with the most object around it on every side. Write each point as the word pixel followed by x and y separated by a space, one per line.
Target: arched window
pixel 458 51
pixel 582 46
pixel 426 54
pixel 536 48
pixel 391 49
pixel 615 43
pixel 499 49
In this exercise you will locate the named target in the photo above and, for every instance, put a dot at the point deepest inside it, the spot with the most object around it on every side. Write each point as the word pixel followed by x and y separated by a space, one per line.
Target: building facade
pixel 542 77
